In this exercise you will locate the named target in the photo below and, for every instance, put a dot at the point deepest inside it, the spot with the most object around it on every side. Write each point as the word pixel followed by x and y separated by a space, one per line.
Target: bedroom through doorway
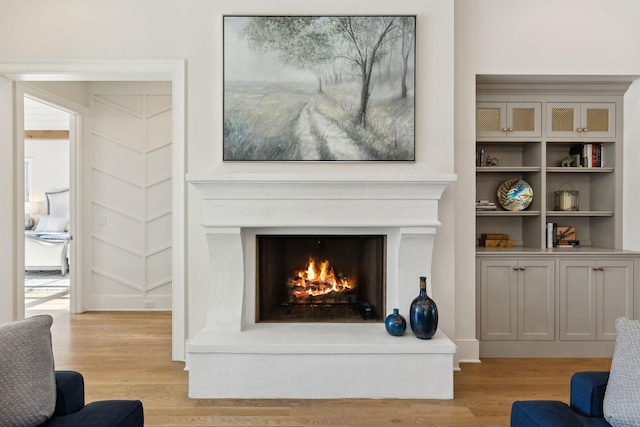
pixel 47 182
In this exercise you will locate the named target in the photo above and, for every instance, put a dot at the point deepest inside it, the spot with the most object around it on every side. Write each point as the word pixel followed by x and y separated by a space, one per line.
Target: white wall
pixel 50 167
pixel 129 189
pixel 548 37
pixel 434 123
pixel 75 91
pixel 630 220
pixel 491 37
pixel 174 29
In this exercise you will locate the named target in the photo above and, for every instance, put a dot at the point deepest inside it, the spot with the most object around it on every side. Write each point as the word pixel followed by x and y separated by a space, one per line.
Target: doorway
pixel 12 74
pixel 48 208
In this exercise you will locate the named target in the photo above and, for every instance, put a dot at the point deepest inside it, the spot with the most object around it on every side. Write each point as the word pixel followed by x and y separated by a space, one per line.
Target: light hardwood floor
pixel 128 356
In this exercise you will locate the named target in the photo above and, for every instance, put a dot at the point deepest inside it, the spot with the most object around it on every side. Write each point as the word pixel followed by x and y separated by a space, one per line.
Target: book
pixel 569 244
pixel 496 243
pixel 551 232
pixel 586 155
pixel 485 205
pixel 592 154
pixel 494 236
pixel 565 233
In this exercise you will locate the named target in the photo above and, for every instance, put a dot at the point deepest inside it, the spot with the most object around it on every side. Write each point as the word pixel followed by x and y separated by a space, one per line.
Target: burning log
pixel 317 284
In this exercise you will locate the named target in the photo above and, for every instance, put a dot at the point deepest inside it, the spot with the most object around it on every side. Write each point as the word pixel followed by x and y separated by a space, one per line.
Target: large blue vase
pixel 423 314
pixel 395 323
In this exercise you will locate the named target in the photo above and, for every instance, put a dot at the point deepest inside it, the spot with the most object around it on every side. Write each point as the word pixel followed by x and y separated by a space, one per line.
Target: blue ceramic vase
pixel 423 314
pixel 395 323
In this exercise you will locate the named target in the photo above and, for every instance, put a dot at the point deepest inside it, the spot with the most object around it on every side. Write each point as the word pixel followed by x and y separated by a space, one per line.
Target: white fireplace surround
pixel 235 357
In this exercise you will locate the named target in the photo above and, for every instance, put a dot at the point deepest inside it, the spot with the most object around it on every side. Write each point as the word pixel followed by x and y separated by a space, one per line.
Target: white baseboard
pixel 468 351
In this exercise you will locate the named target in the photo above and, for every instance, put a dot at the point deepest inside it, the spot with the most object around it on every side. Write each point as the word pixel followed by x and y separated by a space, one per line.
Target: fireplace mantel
pixel 235 357
pixel 273 200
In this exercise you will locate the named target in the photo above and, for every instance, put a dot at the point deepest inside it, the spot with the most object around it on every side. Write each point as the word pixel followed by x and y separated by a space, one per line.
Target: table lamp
pixel 30 208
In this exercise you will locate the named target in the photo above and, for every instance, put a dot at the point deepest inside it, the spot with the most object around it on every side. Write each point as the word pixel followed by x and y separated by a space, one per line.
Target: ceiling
pixel 41 116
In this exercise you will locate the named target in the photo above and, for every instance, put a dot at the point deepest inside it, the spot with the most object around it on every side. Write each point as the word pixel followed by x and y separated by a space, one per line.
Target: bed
pixel 46 247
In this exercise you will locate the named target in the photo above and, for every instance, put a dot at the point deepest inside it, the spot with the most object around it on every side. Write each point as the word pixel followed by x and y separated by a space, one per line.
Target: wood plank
pixel 127 355
pixel 46 134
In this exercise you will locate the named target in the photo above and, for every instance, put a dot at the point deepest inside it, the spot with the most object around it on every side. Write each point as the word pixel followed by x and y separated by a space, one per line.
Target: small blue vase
pixel 423 314
pixel 395 324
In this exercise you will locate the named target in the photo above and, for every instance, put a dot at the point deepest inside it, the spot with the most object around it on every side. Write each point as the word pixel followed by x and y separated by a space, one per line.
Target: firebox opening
pixel 320 278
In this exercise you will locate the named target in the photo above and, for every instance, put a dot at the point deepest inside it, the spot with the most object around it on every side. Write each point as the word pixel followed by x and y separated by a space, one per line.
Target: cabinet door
pixel 587 120
pixel 577 300
pixel 536 300
pixel 615 295
pixel 514 119
pixel 523 119
pixel 563 119
pixel 491 119
pixel 498 299
pixel 597 120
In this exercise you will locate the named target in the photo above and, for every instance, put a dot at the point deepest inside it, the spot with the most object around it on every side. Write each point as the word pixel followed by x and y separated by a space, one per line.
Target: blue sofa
pixel 72 411
pixel 585 409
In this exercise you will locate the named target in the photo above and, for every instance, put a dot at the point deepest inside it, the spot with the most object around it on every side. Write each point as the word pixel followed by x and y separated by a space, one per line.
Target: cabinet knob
pixel 516 268
pixel 521 268
pixel 579 130
pixel 598 268
pixel 505 129
pixel 585 130
pixel 510 129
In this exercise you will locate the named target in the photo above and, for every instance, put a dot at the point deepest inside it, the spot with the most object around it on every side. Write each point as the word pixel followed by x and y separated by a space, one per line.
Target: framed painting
pixel 319 88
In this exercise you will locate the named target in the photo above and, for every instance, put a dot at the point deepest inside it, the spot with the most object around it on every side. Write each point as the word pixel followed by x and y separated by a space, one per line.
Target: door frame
pixel 171 70
pixel 79 115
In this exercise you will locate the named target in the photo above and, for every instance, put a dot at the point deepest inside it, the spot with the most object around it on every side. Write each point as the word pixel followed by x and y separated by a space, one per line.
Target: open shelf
pixel 505 169
pixel 578 213
pixel 546 159
pixel 507 213
pixel 579 170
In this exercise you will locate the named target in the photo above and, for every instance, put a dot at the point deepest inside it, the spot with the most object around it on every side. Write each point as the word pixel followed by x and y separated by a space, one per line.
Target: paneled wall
pixel 130 196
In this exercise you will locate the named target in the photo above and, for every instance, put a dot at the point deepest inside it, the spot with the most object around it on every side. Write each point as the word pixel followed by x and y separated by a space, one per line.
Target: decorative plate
pixel 515 194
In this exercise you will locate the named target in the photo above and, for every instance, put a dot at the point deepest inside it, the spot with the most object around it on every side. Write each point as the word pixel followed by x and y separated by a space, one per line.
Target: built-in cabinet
pixel 593 294
pixel 586 119
pixel 518 299
pixel 534 299
pixel 553 304
pixel 508 119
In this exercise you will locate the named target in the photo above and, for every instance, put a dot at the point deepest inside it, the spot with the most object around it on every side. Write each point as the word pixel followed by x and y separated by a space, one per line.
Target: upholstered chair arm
pixel 587 392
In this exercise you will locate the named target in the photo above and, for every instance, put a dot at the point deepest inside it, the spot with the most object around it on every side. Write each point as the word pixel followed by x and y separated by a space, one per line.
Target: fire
pixel 317 279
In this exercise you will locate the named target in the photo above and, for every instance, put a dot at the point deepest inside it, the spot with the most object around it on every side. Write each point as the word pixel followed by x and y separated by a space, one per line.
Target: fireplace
pixel 320 278
pixel 240 354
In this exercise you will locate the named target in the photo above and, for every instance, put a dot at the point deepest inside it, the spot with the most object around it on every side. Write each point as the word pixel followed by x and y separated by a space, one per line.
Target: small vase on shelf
pixel 423 314
pixel 395 323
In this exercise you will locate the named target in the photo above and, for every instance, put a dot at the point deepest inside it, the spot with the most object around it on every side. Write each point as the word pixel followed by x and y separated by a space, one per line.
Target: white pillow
pixel 622 396
pixel 52 224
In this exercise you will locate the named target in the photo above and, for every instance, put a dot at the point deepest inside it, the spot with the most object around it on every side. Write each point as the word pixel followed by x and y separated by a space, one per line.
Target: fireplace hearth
pixel 320 278
pixel 241 354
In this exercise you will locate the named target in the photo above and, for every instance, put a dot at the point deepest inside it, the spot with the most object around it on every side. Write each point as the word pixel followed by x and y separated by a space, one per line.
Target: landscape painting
pixel 319 88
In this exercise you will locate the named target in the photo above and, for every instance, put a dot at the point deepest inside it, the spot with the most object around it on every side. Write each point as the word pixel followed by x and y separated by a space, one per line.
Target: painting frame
pixel 299 88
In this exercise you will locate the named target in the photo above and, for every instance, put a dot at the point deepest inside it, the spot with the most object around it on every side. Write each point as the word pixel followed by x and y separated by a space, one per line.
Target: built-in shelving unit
pixel 527 135
pixel 536 300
